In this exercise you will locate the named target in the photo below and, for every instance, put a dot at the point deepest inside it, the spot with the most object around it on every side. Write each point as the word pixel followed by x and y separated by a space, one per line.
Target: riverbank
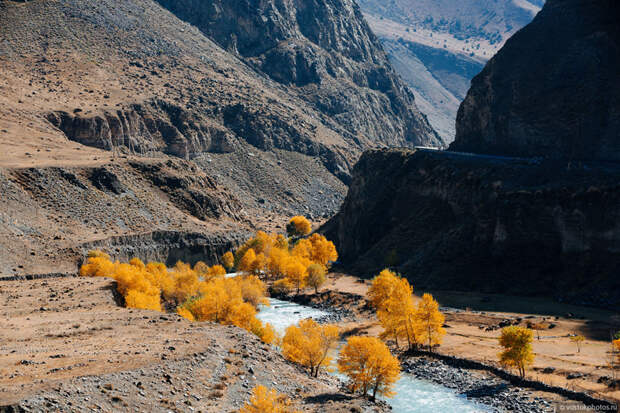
pixel 472 335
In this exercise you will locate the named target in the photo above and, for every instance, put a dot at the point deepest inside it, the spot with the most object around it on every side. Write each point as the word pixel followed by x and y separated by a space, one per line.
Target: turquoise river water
pixel 412 395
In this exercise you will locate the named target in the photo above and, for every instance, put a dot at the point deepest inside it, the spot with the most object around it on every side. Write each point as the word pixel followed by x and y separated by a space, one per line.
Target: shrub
pixel 298 226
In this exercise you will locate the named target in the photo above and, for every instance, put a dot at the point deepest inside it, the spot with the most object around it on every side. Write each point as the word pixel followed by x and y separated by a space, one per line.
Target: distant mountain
pixel 438 46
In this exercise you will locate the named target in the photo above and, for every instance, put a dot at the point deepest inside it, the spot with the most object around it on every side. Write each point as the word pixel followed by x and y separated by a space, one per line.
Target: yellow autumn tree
pixel 267 401
pixel 216 271
pixel 201 268
pixel 429 321
pixel 302 249
pixel 185 282
pixel 370 366
pixel 381 288
pixel 282 287
pixel 228 260
pixel 316 276
pixel 298 226
pixel 296 272
pixel 276 262
pixel 398 318
pixel 265 332
pixel 517 344
pixel 323 251
pixel 247 261
pixel 98 264
pixel 577 339
pixel 253 290
pixel 392 296
pixel 309 343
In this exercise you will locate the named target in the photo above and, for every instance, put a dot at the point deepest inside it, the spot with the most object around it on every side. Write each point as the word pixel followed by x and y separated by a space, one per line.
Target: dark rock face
pixel 553 90
pixel 483 224
pixel 325 49
pixel 169 246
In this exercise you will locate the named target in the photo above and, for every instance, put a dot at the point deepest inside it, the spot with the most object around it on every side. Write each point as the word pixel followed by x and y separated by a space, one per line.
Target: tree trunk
pixel 430 348
pixel 374 391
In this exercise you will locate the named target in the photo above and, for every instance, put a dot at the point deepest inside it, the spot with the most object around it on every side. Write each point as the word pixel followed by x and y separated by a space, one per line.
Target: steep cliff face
pixel 475 223
pixel 553 90
pixel 325 52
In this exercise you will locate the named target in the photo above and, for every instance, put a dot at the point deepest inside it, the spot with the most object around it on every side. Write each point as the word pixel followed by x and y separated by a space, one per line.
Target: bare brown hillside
pixel 66 345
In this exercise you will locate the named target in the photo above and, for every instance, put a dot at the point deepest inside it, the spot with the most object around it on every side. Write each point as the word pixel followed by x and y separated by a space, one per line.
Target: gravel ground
pixel 483 388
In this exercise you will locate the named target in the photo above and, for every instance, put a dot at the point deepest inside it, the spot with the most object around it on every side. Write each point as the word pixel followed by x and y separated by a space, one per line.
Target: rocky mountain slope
pixel 560 98
pixel 439 46
pixel 507 224
pixel 147 117
pixel 452 221
pixel 326 52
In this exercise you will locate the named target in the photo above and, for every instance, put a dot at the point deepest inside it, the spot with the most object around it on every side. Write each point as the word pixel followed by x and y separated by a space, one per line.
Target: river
pixel 412 395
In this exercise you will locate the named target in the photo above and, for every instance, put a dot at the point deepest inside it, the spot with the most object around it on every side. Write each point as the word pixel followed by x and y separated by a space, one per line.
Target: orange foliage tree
pixel 296 272
pixel 228 260
pixel 298 226
pixel 429 321
pixel 309 343
pixel 369 365
pixel 381 288
pixel 517 344
pixel 316 276
pixel 200 293
pixel 267 401
pixel 400 318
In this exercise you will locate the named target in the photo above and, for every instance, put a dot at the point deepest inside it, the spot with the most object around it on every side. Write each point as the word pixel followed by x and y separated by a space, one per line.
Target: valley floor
pixel 473 322
pixel 67 344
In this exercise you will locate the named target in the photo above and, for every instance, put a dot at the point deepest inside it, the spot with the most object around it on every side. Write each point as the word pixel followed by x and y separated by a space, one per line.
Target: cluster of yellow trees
pixel 400 317
pixel 367 361
pixel 294 263
pixel 200 293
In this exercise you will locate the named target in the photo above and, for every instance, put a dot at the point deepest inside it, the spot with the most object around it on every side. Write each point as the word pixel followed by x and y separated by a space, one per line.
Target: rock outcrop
pixel 478 223
pixel 168 246
pixel 323 50
pixel 553 90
